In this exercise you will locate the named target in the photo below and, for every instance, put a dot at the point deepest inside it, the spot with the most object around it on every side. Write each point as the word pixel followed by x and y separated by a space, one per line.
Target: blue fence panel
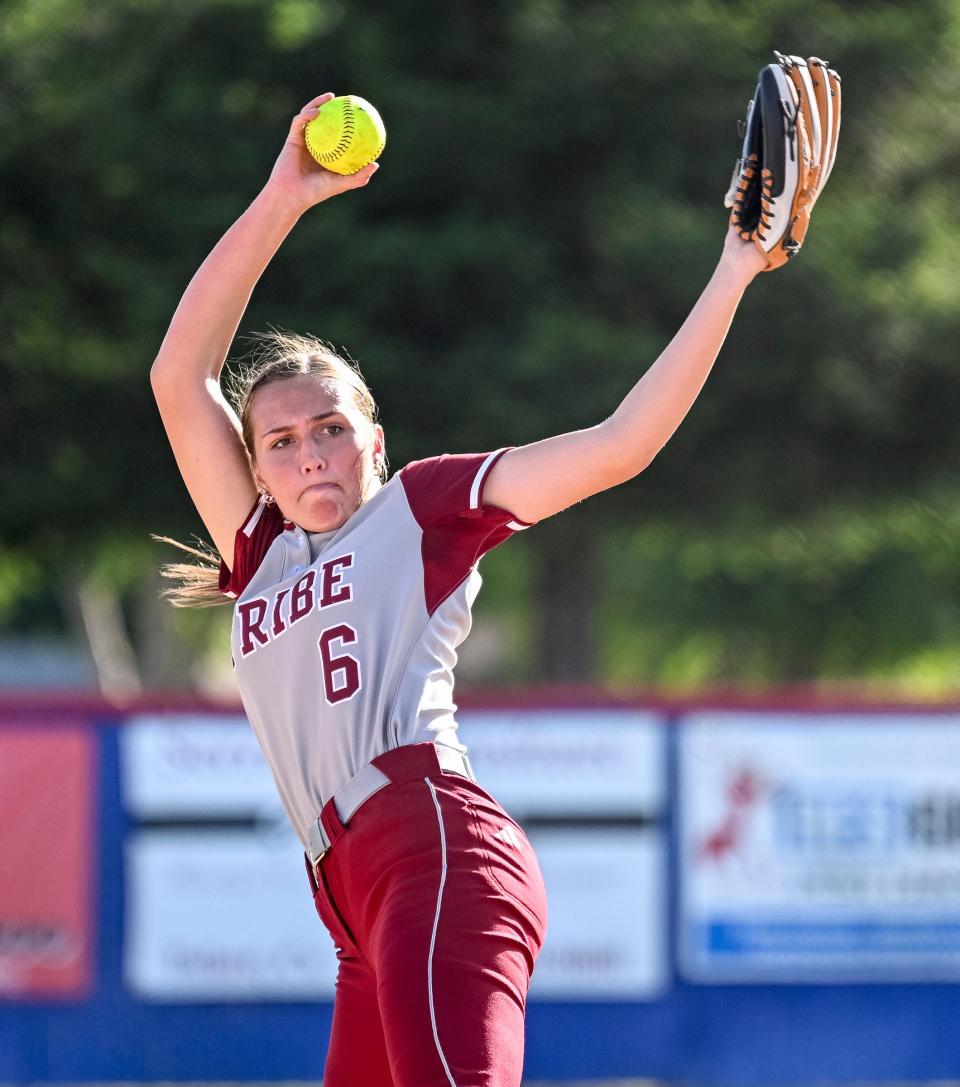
pixel 731 1034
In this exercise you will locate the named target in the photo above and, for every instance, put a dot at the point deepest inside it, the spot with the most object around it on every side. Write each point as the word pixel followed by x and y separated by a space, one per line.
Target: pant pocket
pixel 330 915
pixel 512 863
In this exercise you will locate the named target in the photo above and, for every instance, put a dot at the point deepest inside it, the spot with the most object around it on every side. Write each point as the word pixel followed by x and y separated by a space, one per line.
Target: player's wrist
pixel 279 200
pixel 733 274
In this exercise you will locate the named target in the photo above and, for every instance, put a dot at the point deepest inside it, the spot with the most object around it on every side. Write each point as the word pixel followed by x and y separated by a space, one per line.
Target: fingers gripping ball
pixel 346 134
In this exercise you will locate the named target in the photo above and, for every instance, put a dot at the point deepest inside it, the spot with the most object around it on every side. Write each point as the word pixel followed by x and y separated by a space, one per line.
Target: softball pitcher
pixel 351 595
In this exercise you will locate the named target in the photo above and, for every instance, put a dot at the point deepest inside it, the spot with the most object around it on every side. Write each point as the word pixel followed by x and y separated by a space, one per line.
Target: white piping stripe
pixel 478 479
pixel 516 526
pixel 433 935
pixel 254 517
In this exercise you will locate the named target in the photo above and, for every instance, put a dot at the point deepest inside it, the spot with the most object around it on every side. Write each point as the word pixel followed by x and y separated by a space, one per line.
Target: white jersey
pixel 344 642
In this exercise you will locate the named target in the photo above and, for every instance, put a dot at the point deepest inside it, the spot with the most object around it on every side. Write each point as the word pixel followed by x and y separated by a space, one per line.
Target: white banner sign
pixel 819 848
pixel 561 762
pixel 569 762
pixel 227 916
pixel 223 916
pixel 607 932
pixel 195 765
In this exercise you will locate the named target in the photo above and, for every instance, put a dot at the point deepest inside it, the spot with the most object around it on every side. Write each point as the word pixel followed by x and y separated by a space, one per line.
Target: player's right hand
pixel 299 177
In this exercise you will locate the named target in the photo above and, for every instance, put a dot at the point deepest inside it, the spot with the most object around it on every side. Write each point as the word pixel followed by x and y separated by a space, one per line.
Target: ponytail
pixel 197 583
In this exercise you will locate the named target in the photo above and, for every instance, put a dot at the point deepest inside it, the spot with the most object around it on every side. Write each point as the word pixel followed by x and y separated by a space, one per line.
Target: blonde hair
pixel 276 356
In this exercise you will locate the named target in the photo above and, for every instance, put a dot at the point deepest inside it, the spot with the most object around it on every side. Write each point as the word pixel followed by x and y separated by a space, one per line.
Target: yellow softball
pixel 346 134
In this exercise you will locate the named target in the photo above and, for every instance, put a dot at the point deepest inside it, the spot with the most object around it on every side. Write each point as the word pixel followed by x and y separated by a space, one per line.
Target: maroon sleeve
pixel 446 497
pixel 452 486
pixel 254 537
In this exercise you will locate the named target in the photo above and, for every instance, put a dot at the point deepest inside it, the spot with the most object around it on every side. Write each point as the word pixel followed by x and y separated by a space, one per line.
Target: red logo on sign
pixel 742 796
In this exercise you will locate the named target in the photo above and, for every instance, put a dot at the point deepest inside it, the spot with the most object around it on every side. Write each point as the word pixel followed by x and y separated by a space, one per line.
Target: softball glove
pixel 789 147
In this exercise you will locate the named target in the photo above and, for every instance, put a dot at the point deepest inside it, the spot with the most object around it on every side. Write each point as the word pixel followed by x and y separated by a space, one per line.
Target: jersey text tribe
pixel 263 619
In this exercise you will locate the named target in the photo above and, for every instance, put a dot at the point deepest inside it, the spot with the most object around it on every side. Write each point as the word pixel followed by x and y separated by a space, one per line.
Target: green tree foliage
pixel 547 210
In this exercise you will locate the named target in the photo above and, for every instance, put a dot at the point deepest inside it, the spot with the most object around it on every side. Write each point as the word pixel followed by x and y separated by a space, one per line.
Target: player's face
pixel 315 452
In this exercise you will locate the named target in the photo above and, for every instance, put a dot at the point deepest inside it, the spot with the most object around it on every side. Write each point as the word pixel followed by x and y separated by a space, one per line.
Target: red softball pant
pixel 436 905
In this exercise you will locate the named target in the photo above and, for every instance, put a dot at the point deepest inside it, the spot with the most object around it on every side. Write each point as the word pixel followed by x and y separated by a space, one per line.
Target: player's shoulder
pixel 451 463
pixel 449 484
pixel 254 538
pixel 264 520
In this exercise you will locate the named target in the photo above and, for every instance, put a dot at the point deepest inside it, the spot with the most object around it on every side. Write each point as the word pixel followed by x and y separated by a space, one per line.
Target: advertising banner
pixel 568 762
pixel 221 912
pixel 607 931
pixel 819 847
pixel 589 762
pixel 223 916
pixel 46 861
pixel 199 765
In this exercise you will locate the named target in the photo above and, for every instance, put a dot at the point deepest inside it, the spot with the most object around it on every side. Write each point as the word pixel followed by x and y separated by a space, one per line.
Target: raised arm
pixel 203 429
pixel 538 480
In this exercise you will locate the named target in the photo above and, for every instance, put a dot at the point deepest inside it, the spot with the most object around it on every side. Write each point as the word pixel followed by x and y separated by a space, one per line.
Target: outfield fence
pixel 740 892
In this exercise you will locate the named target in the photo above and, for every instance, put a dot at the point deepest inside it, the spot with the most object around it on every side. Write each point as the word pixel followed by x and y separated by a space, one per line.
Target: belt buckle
pixel 318 846
pixel 315 866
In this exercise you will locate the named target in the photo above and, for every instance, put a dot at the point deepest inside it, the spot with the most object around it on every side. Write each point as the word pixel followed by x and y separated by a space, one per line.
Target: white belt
pixel 362 786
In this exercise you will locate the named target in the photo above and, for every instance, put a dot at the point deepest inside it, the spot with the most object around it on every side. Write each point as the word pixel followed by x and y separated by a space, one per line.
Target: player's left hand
pixel 744 259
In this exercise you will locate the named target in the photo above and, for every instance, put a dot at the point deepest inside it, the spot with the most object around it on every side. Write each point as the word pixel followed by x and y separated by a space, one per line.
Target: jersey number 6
pixel 341 675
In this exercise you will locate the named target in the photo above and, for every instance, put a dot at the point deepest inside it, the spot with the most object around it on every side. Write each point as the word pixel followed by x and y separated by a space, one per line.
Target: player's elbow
pixel 160 376
pixel 625 456
pixel 635 467
pixel 171 382
pixel 170 391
